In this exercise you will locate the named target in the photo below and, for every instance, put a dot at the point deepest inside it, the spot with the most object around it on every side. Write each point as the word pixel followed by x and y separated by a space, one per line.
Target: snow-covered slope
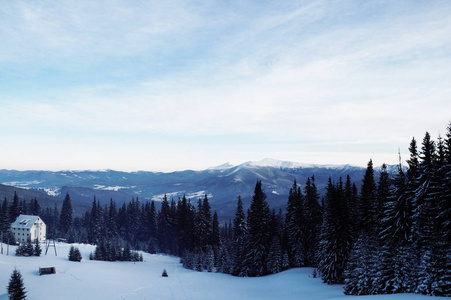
pixel 127 280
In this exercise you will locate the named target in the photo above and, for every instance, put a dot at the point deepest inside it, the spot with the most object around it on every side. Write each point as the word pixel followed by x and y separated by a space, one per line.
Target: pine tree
pixel 96 223
pixel 164 226
pixel 112 231
pixel 215 234
pixel 74 254
pixel 66 217
pixel 4 216
pixel 14 209
pixel 239 241
pixel 258 242
pixel 16 289
pixel 295 224
pixel 275 256
pixel 35 207
pixel 395 257
pixel 368 201
pixel 313 216
pixel 336 239
pixel 37 248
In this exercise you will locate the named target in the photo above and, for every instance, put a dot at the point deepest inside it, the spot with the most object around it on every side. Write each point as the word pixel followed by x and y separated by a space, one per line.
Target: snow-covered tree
pixel 258 241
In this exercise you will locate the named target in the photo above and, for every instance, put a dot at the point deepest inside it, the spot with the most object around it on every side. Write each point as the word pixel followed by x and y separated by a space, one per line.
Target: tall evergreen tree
pixel 258 233
pixel 4 216
pixel 239 241
pixel 35 207
pixel 96 223
pixel 14 209
pixel 362 263
pixel 336 237
pixel 112 231
pixel 313 217
pixel 368 201
pixel 66 217
pixel 296 226
pixel 164 226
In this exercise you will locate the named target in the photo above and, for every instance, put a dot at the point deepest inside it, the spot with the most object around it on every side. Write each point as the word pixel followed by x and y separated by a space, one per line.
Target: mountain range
pixel 222 184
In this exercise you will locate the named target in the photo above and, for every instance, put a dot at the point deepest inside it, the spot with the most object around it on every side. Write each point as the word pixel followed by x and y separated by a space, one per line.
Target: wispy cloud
pixel 318 72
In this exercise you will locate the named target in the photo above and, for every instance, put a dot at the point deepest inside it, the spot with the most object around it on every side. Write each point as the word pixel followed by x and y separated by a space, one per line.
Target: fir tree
pixel 16 289
pixel 295 224
pixel 66 217
pixel 37 248
pixel 258 242
pixel 4 216
pixel 35 207
pixel 367 204
pixel 165 226
pixel 336 239
pixel 312 218
pixel 239 241
pixel 14 209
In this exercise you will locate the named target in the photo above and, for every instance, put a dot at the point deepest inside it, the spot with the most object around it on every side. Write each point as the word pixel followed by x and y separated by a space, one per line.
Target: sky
pixel 173 85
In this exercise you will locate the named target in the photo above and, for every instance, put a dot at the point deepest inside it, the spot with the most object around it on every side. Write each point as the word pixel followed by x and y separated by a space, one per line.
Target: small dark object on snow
pixel 47 270
pixel 165 274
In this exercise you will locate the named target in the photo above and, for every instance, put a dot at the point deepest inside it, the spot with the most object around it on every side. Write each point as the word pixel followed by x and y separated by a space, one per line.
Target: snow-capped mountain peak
pixel 274 163
pixel 221 167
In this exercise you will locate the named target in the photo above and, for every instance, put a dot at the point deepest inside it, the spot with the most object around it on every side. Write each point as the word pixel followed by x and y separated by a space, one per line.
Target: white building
pixel 28 227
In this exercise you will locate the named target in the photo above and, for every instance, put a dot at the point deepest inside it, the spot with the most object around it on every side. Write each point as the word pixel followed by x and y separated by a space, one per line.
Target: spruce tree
pixel 37 248
pixel 258 242
pixel 66 217
pixel 296 226
pixel 4 216
pixel 336 237
pixel 164 226
pixel 362 265
pixel 14 209
pixel 313 217
pixel 368 201
pixel 16 289
pixel 239 241
pixel 112 231
pixel 395 255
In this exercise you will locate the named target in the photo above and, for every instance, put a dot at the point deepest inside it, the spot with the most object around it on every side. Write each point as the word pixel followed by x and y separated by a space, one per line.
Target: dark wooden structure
pixel 47 270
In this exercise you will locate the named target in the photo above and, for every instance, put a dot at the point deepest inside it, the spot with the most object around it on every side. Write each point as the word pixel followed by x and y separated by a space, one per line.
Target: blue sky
pixel 172 85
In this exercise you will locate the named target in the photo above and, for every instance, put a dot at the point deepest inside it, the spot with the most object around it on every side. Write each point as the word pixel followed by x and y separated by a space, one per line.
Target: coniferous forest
pixel 389 234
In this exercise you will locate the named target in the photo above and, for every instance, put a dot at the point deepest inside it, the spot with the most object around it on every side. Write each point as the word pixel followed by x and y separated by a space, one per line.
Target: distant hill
pixel 222 184
pixel 44 199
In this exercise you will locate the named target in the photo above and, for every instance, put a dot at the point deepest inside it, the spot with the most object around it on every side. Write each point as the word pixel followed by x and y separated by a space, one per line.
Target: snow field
pixel 142 280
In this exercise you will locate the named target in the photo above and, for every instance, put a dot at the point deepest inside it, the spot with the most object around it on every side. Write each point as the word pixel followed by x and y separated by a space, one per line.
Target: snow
pixel 275 163
pixel 199 194
pixel 111 188
pixel 191 195
pixel 160 197
pixel 52 191
pixel 22 184
pixel 221 167
pixel 142 280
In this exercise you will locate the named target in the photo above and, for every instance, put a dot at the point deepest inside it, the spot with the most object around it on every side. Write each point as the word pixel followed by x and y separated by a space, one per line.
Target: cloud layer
pixel 228 81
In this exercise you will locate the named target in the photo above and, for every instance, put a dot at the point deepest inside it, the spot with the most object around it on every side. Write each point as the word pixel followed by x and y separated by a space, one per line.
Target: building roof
pixel 24 221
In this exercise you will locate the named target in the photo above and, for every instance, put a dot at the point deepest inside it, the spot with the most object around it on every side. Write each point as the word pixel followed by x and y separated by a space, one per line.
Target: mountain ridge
pixel 222 184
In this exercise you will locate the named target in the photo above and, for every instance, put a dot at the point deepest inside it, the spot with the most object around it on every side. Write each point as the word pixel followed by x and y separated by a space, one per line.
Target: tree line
pixel 395 236
pixel 391 236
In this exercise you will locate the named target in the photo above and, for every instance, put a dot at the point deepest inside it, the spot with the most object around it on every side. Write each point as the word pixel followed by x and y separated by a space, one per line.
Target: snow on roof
pixel 24 221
